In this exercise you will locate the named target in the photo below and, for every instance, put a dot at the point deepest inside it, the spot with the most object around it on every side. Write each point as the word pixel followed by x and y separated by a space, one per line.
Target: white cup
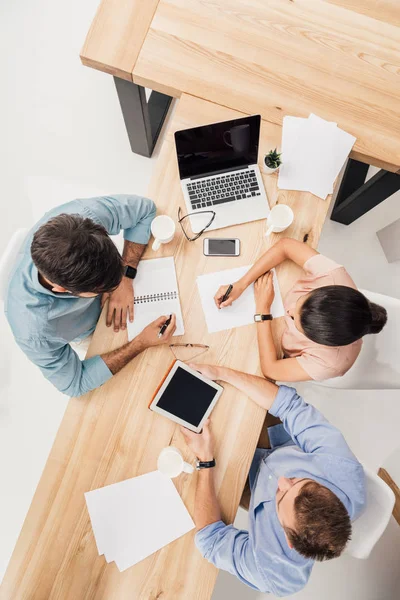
pixel 170 462
pixel 163 229
pixel 279 219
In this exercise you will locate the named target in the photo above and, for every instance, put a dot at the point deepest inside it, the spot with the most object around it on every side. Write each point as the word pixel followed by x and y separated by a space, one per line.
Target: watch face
pixel 130 272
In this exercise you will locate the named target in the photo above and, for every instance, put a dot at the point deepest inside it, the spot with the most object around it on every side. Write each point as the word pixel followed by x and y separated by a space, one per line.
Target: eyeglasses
pixel 201 347
pixel 207 216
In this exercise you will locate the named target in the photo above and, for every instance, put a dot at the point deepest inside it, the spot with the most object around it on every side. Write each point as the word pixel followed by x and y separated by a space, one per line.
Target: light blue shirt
pixel 310 447
pixel 44 323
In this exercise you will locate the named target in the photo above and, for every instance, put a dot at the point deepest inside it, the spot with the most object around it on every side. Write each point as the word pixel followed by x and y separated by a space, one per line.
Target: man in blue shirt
pixel 67 269
pixel 305 491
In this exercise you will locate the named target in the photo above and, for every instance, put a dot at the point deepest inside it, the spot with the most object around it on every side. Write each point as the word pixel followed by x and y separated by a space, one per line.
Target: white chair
pixel 9 259
pixel 378 365
pixel 368 528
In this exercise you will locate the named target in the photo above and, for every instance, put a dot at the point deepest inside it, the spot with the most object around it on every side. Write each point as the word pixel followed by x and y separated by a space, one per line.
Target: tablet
pixel 186 396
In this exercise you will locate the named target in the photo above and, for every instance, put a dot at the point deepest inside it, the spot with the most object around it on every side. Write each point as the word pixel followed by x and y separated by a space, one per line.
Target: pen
pixel 226 295
pixel 164 327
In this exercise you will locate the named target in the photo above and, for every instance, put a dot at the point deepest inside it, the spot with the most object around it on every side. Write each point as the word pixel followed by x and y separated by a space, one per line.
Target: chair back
pixel 9 258
pixel 368 528
pixel 378 364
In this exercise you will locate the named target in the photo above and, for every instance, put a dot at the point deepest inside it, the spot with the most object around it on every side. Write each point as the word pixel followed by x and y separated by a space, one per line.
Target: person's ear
pixel 59 289
pixel 289 543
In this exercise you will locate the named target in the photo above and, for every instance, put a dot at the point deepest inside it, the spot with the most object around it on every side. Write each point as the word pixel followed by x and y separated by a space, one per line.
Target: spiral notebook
pixel 156 294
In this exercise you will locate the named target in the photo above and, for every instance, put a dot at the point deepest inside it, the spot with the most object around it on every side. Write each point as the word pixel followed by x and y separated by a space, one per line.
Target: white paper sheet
pixel 242 311
pixel 313 152
pixel 156 294
pixel 134 518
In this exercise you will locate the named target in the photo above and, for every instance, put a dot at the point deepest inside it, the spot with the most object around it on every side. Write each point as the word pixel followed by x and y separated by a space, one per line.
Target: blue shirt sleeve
pixel 231 549
pixel 133 214
pixel 61 365
pixel 307 427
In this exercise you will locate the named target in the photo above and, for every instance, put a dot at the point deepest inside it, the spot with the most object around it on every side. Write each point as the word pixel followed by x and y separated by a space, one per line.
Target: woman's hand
pixel 264 293
pixel 236 292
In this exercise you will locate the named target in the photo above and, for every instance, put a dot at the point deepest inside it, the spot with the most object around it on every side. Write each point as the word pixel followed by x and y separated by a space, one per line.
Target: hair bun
pixel 378 318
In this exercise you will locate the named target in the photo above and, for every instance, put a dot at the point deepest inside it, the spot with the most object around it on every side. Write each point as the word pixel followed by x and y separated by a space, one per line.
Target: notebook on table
pixel 156 294
pixel 242 311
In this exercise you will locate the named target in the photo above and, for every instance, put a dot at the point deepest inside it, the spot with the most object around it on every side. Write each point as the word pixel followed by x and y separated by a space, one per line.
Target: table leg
pixel 356 197
pixel 143 120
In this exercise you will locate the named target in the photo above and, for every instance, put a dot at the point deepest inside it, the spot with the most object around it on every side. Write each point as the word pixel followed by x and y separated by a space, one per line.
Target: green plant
pixel 273 159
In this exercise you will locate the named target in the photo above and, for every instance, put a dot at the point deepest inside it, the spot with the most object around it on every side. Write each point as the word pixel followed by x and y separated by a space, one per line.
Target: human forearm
pixel 132 253
pixel 266 347
pixel 206 506
pixel 261 391
pixel 119 358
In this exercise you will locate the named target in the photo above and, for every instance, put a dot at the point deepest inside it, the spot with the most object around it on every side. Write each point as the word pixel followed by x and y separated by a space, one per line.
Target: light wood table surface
pixel 337 58
pixel 110 435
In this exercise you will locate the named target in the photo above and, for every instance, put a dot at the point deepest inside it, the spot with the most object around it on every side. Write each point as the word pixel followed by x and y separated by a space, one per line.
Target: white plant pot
pixel 268 170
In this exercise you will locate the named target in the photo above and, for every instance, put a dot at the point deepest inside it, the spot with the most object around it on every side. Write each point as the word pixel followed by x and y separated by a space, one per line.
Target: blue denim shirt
pixel 43 323
pixel 306 445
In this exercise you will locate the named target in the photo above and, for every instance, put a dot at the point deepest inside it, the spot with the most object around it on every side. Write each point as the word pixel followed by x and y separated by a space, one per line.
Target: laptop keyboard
pixel 219 190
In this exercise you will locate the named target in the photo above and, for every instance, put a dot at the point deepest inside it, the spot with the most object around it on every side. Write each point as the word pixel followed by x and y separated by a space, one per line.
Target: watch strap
pixel 258 318
pixel 205 465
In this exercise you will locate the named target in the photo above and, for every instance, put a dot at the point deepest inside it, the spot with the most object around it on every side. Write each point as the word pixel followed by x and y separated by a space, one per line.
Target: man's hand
pixel 120 304
pixel 264 293
pixel 149 336
pixel 210 371
pixel 201 444
pixel 236 291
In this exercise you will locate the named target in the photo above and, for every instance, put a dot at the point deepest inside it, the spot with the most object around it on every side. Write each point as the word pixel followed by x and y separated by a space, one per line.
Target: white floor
pixel 63 137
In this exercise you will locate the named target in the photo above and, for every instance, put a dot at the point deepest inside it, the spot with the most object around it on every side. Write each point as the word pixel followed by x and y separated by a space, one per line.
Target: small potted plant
pixel 272 161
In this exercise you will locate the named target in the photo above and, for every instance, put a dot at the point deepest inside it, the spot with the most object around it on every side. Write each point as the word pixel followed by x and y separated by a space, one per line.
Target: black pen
pixel 226 295
pixel 164 327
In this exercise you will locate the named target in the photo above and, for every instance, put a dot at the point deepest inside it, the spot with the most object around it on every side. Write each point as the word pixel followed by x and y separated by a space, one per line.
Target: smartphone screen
pixel 227 247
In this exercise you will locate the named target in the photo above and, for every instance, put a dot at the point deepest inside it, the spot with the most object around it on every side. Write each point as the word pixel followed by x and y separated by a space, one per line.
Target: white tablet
pixel 186 397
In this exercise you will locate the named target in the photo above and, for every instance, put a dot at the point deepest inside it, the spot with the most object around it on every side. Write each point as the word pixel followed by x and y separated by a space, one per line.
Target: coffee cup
pixel 170 462
pixel 163 230
pixel 279 219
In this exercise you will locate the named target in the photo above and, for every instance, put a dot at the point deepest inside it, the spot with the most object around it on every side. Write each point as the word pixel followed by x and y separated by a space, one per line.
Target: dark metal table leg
pixel 143 120
pixel 355 197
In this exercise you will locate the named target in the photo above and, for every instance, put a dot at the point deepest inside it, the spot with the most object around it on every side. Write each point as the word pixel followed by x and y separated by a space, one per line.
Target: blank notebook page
pixel 156 294
pixel 242 311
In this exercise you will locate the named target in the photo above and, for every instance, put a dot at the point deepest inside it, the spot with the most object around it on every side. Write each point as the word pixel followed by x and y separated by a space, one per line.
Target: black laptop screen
pixel 218 147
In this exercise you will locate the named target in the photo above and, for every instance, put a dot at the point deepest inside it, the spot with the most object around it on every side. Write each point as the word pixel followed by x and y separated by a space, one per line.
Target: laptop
pixel 219 172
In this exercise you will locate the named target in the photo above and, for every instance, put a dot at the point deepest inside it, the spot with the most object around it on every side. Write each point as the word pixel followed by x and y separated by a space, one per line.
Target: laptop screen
pixel 218 147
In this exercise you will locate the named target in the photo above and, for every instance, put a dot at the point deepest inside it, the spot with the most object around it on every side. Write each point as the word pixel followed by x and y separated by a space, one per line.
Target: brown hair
pixel 323 525
pixel 77 254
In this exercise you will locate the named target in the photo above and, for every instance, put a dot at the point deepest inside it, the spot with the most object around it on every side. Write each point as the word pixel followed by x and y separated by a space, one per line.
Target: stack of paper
pixel 242 311
pixel 313 152
pixel 136 517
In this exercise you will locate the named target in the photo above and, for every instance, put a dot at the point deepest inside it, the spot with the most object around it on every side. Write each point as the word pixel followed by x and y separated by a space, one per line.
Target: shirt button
pixel 269 476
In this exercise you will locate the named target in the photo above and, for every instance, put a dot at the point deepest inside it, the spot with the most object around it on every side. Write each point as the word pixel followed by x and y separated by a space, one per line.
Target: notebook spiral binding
pixel 156 297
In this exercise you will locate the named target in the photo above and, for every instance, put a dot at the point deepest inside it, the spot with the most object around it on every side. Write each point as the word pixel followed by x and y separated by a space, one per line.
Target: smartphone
pixel 221 247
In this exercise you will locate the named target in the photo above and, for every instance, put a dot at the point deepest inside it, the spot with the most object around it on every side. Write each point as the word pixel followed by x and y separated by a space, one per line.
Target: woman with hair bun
pixel 326 316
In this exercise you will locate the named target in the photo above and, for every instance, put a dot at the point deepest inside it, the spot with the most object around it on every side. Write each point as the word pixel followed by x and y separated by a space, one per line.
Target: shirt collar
pixel 38 287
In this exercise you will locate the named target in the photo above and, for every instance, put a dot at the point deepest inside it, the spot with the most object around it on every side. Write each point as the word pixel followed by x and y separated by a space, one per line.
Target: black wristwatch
pixel 205 465
pixel 130 272
pixel 259 318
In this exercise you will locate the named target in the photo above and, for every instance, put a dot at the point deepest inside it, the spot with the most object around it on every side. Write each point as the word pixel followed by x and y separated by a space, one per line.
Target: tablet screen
pixel 187 397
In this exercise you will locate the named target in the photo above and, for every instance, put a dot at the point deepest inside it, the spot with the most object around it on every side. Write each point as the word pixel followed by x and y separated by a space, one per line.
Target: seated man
pixel 305 491
pixel 67 268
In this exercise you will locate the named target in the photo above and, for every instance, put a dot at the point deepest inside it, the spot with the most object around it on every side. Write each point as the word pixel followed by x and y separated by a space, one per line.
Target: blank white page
pixel 156 294
pixel 242 311
pixel 136 517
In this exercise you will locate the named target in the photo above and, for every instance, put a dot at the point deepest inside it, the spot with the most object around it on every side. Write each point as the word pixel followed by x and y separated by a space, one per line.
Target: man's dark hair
pixel 77 254
pixel 323 525
pixel 337 315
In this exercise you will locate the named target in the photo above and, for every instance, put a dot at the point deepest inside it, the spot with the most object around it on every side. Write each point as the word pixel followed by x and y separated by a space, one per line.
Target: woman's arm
pixel 286 248
pixel 272 367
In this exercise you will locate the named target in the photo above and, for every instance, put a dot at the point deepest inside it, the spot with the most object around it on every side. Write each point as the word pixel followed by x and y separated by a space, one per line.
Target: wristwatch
pixel 258 318
pixel 130 272
pixel 205 465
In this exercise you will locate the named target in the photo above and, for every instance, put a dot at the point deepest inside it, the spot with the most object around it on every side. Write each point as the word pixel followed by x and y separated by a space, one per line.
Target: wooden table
pixel 110 435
